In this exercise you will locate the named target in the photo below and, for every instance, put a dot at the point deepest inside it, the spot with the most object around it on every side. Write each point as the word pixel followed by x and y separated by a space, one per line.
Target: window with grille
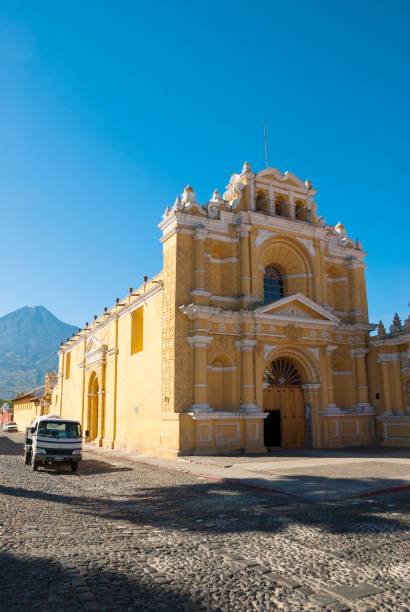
pixel 272 285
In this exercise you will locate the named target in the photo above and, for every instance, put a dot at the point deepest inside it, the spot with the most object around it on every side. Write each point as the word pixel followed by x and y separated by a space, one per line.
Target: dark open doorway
pixel 272 429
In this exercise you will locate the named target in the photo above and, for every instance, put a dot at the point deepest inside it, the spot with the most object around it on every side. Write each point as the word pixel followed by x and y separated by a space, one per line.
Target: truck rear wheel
pixel 74 467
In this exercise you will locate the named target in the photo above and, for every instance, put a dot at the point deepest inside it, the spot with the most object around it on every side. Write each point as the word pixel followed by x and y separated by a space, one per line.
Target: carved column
pixel 100 412
pixel 355 285
pixel 200 236
pixel 244 262
pixel 199 344
pixel 291 204
pixel 398 406
pixel 362 390
pixel 101 403
pixel 387 394
pixel 271 200
pixel 252 195
pixel 330 382
pixel 246 348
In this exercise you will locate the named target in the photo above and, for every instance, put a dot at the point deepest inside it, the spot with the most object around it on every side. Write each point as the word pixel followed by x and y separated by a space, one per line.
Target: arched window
pixel 273 288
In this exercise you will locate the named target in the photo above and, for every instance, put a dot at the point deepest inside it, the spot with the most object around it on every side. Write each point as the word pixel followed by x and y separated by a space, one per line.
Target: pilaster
pixel 199 276
pixel 387 394
pixel 200 345
pixel 330 382
pixel 246 348
pixel 291 203
pixel 244 261
pixel 362 389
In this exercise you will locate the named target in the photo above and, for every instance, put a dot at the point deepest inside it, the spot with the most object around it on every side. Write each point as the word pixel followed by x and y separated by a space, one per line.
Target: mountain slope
pixel 29 339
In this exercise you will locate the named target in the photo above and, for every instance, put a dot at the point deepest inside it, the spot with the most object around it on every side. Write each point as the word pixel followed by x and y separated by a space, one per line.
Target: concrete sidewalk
pixel 309 475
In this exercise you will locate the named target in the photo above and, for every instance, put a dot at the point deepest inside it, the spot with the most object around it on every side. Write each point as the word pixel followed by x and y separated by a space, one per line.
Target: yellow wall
pixel 25 412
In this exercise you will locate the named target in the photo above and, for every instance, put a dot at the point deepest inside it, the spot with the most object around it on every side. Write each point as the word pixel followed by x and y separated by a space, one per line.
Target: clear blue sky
pixel 108 109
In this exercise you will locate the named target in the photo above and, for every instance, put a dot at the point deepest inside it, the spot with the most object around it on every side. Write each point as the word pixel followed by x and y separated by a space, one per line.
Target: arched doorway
pixel 283 400
pixel 92 413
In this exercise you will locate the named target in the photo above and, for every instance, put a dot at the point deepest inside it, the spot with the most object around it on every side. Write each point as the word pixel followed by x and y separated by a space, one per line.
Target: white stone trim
pixel 303 299
pixel 222 261
pixel 222 298
pixel 263 235
pixel 356 421
pixel 267 348
pixel 256 437
pixel 220 439
pixel 383 357
pixel 315 351
pixel 222 368
pixel 203 415
pixel 199 341
pixel 205 437
pixel 245 344
pixel 358 352
pixel 200 233
pixel 311 387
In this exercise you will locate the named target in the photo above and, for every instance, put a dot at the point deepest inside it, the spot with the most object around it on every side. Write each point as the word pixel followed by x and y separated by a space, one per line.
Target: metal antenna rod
pixel 266 148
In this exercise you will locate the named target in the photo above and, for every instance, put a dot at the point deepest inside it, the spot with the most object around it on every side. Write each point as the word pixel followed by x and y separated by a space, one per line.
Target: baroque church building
pixel 255 334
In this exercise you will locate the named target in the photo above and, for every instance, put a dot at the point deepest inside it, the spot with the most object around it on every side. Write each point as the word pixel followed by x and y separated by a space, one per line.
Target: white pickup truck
pixel 53 440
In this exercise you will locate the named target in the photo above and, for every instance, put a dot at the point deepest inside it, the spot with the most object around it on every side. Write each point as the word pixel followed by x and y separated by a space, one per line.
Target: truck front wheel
pixel 74 467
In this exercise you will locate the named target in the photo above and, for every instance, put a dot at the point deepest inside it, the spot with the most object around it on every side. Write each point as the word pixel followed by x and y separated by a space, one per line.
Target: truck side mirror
pixel 86 433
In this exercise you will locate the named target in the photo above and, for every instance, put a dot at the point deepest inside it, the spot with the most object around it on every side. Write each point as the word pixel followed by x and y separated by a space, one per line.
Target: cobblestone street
pixel 126 535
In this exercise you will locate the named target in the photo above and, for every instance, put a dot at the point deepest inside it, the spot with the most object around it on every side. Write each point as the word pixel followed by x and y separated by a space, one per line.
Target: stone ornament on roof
pixel 396 325
pixel 233 193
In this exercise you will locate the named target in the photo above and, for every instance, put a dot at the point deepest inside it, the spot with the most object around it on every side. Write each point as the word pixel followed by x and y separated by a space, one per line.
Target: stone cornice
pixel 386 357
pixel 111 316
pixel 402 338
pixel 175 219
pixel 359 352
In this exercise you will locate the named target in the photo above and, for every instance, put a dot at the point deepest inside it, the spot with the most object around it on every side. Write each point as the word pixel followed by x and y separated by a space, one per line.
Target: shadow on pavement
pixel 225 508
pixel 10 447
pixel 39 584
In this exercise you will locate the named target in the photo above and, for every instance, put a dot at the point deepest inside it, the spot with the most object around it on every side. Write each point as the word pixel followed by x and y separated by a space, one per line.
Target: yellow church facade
pixel 255 334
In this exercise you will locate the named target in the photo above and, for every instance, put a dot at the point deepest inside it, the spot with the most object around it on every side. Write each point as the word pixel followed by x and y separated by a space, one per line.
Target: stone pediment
pixel 297 306
pixel 93 345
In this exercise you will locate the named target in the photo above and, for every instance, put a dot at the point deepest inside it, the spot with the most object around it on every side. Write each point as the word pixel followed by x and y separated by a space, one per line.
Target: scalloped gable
pixel 297 306
pixel 287 177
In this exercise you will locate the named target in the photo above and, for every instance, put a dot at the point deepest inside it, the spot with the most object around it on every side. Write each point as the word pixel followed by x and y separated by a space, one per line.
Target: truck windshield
pixel 58 429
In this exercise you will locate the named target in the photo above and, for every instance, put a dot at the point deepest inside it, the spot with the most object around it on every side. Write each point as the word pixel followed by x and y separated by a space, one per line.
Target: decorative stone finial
pixel 340 229
pixel 178 204
pixel 308 184
pixel 189 194
pixel 381 330
pixel 216 196
pixel 359 245
pixel 246 168
pixel 396 325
